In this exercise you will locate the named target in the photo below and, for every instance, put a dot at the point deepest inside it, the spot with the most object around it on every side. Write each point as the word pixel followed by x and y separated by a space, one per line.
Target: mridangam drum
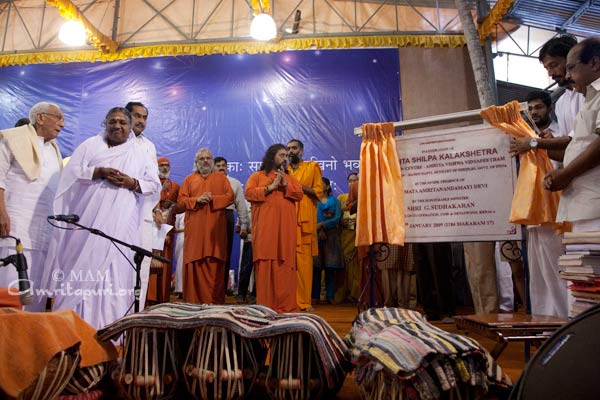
pixel 85 379
pixel 149 367
pixel 221 364
pixel 54 377
pixel 294 370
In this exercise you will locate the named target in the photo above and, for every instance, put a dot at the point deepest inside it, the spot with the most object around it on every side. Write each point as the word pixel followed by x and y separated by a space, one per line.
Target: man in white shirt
pixel 139 118
pixel 579 180
pixel 239 205
pixel 30 166
pixel 548 292
pixel 554 57
pixel 549 295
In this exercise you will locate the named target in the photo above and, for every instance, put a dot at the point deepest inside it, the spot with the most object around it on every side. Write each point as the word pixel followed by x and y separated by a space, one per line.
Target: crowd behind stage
pixel 295 235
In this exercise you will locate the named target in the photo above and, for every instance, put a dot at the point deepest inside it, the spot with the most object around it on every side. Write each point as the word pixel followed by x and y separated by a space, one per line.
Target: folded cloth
pixel 28 341
pixel 401 348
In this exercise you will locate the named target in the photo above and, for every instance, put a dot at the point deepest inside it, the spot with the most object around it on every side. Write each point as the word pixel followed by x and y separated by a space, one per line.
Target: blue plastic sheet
pixel 235 105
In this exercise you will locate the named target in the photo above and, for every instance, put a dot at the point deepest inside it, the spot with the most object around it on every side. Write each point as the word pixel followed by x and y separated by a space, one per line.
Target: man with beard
pixel 308 173
pixel 239 206
pixel 205 194
pixel 539 105
pixel 139 118
pixel 165 213
pixel 274 195
pixel 554 57
pixel 30 167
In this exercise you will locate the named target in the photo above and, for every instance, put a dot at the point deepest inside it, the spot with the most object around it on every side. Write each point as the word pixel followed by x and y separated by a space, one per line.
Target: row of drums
pixel 212 362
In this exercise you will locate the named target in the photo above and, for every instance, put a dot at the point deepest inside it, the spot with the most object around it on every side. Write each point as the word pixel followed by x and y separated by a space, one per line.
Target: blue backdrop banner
pixel 235 105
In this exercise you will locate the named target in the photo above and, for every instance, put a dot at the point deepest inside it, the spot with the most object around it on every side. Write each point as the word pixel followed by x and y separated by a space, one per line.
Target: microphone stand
pixel 12 259
pixel 140 253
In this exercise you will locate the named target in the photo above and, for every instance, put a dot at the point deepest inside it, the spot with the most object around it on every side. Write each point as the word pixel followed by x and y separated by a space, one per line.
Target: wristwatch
pixel 533 143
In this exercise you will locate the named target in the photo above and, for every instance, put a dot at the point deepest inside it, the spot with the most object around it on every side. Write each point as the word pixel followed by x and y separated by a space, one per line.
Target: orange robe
pixel 308 174
pixel 274 240
pixel 205 245
pixel 171 194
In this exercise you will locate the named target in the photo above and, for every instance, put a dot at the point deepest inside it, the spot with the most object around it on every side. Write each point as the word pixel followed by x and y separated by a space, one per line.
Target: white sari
pixel 86 272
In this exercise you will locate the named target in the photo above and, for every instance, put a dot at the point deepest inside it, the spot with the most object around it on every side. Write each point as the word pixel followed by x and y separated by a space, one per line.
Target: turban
pixel 163 160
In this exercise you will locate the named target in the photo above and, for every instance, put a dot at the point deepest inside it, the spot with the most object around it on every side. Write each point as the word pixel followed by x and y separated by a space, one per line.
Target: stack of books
pixel 580 265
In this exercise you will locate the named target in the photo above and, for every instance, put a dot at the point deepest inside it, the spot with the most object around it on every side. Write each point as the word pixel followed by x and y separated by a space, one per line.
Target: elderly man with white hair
pixel 30 166
pixel 205 194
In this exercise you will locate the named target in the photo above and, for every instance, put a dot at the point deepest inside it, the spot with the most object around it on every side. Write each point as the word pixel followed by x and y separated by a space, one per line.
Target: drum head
pixel 567 365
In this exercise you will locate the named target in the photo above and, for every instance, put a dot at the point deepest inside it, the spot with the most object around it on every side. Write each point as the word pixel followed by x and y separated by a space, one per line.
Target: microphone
pixel 65 218
pixel 25 294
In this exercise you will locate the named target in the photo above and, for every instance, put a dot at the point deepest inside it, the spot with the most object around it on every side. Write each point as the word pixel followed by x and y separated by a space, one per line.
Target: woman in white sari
pixel 104 183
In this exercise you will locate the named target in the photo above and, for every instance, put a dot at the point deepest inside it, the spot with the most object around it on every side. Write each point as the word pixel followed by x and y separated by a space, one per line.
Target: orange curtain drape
pixel 380 215
pixel 531 205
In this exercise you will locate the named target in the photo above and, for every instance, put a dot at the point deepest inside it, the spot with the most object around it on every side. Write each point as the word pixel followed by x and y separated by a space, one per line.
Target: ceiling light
pixel 72 33
pixel 263 27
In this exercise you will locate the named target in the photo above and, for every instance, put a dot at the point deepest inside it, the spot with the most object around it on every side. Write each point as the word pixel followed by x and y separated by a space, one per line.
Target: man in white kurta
pixel 86 272
pixel 566 108
pixel 30 165
pixel 549 295
pixel 580 177
pixel 548 292
pixel 139 118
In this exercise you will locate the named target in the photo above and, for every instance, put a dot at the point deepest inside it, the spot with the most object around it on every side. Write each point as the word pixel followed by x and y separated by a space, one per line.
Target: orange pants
pixel 304 265
pixel 276 285
pixel 203 281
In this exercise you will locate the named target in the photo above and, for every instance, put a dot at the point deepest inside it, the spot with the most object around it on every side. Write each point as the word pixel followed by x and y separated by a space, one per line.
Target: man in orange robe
pixel 273 195
pixel 308 173
pixel 205 195
pixel 164 213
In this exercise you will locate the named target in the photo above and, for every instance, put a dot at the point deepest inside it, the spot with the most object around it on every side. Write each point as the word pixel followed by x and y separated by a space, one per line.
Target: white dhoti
pixel 547 291
pixel 504 281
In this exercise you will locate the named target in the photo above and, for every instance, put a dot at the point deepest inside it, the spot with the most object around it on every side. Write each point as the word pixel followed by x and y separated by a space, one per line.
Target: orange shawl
pixel 531 205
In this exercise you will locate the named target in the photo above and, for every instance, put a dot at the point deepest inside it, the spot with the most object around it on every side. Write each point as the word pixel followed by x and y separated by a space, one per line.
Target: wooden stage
pixel 340 317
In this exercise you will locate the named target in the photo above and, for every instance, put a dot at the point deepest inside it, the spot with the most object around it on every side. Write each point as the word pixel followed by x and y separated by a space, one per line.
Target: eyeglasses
pixel 57 116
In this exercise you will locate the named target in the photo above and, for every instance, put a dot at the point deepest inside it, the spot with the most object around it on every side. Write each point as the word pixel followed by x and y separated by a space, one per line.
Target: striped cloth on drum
pixel 402 345
pixel 248 321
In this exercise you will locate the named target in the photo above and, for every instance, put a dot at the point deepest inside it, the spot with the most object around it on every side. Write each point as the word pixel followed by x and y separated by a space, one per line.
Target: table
pixel 510 327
